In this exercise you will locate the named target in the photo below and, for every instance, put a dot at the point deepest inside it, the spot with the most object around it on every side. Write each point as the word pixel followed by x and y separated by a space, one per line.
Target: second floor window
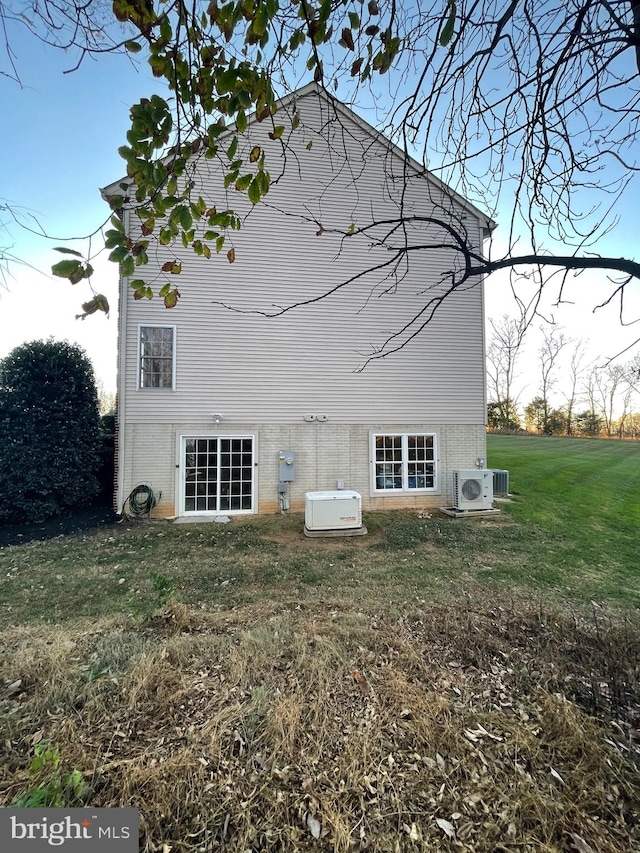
pixel 157 356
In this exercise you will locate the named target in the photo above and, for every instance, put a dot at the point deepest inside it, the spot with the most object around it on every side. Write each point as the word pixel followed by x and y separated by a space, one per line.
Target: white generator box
pixel 340 510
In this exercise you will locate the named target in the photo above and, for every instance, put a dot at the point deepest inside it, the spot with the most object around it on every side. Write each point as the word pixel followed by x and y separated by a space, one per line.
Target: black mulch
pixel 79 521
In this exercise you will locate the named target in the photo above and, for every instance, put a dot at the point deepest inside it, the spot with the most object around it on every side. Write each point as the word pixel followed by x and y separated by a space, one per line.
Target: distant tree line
pixel 574 397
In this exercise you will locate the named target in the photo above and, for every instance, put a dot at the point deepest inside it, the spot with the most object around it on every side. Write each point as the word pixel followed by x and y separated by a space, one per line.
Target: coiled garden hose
pixel 141 501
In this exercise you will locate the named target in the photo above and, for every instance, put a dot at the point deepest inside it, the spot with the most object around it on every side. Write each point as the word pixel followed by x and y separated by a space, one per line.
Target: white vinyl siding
pixel 404 462
pixel 156 357
pixel 254 368
pixel 264 374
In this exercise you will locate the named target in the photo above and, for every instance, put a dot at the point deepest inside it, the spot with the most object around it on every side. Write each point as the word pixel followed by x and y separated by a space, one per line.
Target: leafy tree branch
pixel 526 108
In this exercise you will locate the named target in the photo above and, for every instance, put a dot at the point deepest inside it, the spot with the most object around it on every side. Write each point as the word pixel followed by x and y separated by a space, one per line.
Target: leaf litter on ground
pixel 467 726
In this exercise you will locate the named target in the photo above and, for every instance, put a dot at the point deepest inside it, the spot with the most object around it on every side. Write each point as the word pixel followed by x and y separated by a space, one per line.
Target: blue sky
pixel 59 144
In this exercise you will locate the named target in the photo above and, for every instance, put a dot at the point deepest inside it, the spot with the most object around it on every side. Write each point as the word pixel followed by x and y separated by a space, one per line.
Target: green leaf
pixel 264 182
pixel 254 191
pixel 243 182
pixel 186 219
pixel 132 46
pixel 447 31
pixel 66 269
pixel 296 40
pixel 214 131
pixel 230 178
pixel 231 150
pixel 354 20
pixel 113 238
pixel 171 299
pixel 128 266
pixel 119 254
pixel 166 30
pixel 64 251
pixel 277 132
pixel 115 202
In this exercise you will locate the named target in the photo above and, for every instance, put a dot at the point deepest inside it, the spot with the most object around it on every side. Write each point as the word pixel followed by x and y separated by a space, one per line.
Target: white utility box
pixel 339 510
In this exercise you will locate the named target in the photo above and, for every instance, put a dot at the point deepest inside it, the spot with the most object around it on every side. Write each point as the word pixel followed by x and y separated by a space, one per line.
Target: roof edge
pixel 314 88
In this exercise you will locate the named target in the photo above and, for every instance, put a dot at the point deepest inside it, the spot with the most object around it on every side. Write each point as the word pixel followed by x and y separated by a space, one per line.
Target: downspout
pixel 121 379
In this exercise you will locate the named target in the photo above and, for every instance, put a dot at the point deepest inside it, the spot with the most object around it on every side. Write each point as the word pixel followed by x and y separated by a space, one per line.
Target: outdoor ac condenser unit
pixel 339 510
pixel 500 481
pixel 473 489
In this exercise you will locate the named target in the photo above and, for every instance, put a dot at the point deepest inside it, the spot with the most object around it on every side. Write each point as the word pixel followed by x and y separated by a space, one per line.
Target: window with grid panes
pixel 404 462
pixel 157 357
pixel 218 474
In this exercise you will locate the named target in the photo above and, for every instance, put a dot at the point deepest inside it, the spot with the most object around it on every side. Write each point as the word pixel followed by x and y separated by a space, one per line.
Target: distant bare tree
pixel 576 369
pixel 106 399
pixel 602 387
pixel 632 374
pixel 502 355
pixel 553 342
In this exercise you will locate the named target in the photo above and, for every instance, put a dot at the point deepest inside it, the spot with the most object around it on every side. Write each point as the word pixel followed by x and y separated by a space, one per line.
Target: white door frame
pixel 181 473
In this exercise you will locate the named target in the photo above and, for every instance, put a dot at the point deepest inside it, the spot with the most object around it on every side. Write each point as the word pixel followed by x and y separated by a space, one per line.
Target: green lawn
pixel 579 502
pixel 571 533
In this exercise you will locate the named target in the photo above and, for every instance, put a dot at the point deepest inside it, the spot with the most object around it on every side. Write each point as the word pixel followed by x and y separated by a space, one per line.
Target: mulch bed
pixel 78 521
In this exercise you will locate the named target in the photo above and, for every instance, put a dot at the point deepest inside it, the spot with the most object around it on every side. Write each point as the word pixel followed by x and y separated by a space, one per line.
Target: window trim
pixel 405 490
pixel 151 388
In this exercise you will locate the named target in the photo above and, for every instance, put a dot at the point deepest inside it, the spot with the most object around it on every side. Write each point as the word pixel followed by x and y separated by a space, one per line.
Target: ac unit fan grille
pixel 471 489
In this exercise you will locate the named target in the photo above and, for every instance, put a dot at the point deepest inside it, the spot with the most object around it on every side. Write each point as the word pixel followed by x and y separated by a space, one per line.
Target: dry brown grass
pixel 335 729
